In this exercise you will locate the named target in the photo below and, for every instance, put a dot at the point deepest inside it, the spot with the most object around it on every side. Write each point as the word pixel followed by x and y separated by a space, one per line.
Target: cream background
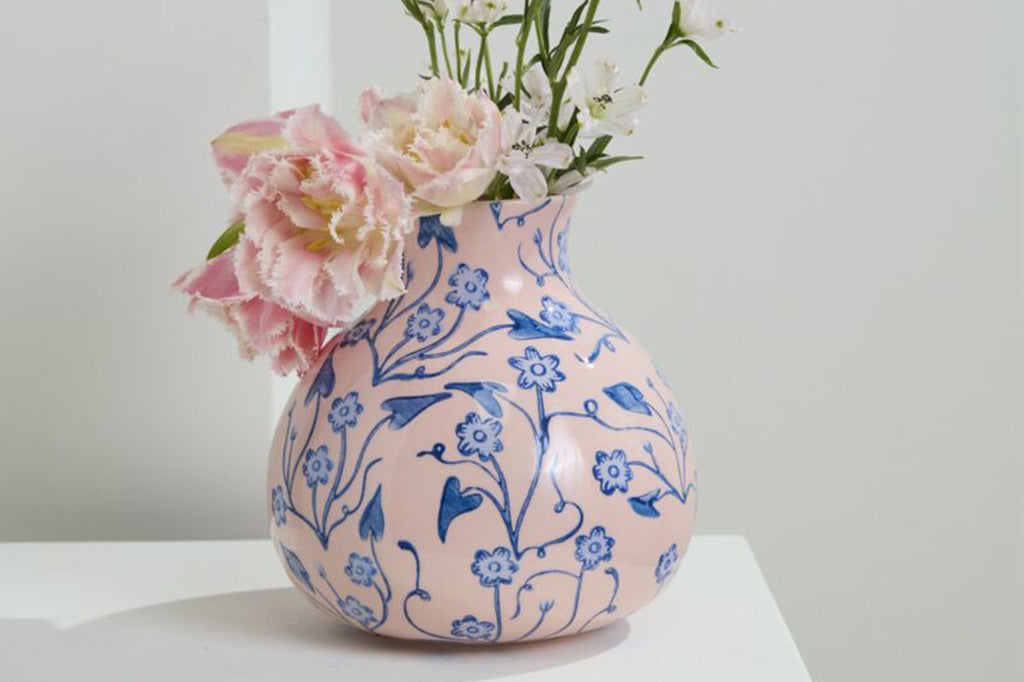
pixel 827 264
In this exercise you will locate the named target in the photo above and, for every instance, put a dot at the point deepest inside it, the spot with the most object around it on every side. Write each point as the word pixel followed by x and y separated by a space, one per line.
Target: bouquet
pixel 320 216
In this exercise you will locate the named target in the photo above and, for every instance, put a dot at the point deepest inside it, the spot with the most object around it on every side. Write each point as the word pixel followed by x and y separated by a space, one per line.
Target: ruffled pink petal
pixel 311 130
pixel 214 280
pixel 232 149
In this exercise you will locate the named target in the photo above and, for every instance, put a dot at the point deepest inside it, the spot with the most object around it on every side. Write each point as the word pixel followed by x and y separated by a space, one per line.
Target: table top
pixel 225 611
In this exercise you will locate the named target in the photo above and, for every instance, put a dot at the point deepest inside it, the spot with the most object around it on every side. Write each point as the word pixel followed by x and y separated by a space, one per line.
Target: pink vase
pixel 488 459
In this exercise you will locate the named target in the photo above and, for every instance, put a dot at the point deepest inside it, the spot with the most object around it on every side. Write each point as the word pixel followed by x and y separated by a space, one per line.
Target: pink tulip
pixel 324 224
pixel 262 328
pixel 444 144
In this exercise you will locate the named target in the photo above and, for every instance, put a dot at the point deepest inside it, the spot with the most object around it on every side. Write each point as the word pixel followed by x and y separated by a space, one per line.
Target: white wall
pixel 823 250
pixel 122 416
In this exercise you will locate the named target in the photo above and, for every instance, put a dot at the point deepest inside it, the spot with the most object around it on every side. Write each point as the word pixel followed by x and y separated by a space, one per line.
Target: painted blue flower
pixel 494 568
pixel 675 421
pixel 361 570
pixel 279 506
pixel 613 471
pixel 563 250
pixel 317 466
pixel 558 316
pixel 479 436
pixel 593 548
pixel 468 287
pixel 358 332
pixel 352 608
pixel 667 564
pixel 471 628
pixel 345 412
pixel 537 370
pixel 424 323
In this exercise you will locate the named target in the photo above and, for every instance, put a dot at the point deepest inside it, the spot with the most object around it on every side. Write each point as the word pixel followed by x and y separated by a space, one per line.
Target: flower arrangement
pixel 320 216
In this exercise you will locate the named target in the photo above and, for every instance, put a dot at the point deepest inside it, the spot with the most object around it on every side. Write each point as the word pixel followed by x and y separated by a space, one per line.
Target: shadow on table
pixel 271 634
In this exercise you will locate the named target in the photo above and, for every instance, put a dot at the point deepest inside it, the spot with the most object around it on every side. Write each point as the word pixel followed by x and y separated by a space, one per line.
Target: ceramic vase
pixel 487 459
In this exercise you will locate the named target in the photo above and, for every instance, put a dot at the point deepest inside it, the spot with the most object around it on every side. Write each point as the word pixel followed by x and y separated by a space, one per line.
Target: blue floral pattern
pixel 494 567
pixel 479 436
pixel 536 370
pixel 558 316
pixel 471 628
pixel 468 287
pixel 424 323
pixel 355 610
pixel 667 564
pixel 278 505
pixel 612 471
pixel 345 412
pixel 593 548
pixel 534 509
pixel 317 466
pixel 360 570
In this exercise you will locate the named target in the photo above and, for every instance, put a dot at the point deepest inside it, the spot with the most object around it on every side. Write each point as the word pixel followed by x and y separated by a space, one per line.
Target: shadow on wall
pixel 269 634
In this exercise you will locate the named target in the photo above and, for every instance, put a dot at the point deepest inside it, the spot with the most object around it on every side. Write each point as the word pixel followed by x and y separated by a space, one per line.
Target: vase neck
pixel 520 242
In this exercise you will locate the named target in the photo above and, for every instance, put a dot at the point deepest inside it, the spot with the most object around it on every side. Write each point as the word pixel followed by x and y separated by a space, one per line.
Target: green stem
pixel 480 58
pixel 521 40
pixel 458 55
pixel 650 65
pixel 558 89
pixel 486 47
pixel 444 48
pixel 429 31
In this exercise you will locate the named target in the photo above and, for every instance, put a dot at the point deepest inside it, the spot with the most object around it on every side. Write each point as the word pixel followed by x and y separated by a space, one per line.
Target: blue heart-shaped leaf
pixel 404 410
pixel 372 520
pixel 525 328
pixel 644 504
pixel 453 504
pixel 483 393
pixel 295 566
pixel 323 384
pixel 431 227
pixel 628 397
pixel 496 212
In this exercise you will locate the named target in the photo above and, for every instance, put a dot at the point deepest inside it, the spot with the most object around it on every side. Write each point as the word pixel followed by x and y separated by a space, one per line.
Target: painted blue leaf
pixel 644 504
pixel 372 520
pixel 404 410
pixel 496 212
pixel 628 397
pixel 323 384
pixel 431 227
pixel 483 393
pixel 295 566
pixel 453 504
pixel 525 328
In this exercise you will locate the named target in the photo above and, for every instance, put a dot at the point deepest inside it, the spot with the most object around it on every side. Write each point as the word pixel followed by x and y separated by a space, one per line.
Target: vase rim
pixel 488 202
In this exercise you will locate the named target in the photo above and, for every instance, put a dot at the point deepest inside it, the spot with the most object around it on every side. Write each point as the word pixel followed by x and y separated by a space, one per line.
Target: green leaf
pixel 602 164
pixel 508 20
pixel 226 240
pixel 699 51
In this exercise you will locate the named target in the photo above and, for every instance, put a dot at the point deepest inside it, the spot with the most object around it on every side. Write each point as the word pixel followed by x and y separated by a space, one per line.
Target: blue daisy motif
pixel 479 436
pixel 317 466
pixel 494 568
pixel 612 471
pixel 563 250
pixel 361 570
pixel 352 608
pixel 471 628
pixel 424 323
pixel 667 564
pixel 537 370
pixel 675 421
pixel 279 506
pixel 358 332
pixel 345 412
pixel 558 316
pixel 593 548
pixel 468 287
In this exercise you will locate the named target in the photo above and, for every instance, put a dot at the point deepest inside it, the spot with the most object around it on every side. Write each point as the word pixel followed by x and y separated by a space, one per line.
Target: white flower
pixel 572 182
pixel 536 97
pixel 701 19
pixel 604 110
pixel 480 11
pixel 440 8
pixel 525 153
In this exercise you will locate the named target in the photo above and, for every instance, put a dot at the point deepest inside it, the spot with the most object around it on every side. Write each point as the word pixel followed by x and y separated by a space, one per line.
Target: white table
pixel 196 611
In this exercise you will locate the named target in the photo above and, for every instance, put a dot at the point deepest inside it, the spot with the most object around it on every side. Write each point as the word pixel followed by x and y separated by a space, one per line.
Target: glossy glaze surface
pixel 488 459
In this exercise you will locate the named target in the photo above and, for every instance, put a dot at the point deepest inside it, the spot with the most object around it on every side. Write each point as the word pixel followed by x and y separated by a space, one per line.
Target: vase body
pixel 487 459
